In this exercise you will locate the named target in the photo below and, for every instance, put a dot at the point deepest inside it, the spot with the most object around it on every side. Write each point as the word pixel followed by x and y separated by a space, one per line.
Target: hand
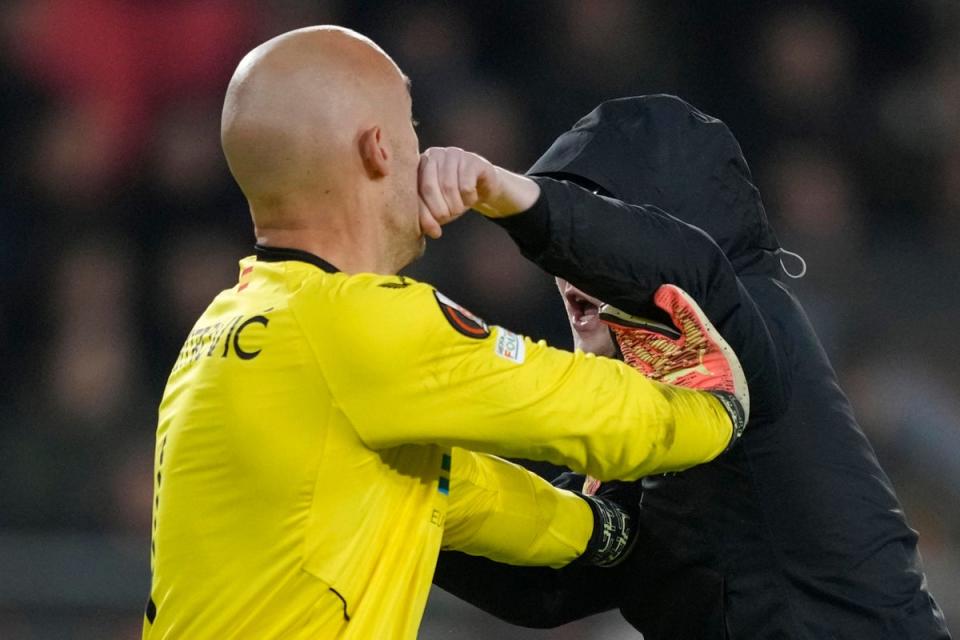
pixel 451 181
pixel 615 508
pixel 696 356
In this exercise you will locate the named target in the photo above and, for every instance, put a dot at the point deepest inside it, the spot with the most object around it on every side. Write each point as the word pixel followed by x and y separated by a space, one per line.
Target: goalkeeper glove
pixel 614 510
pixel 696 356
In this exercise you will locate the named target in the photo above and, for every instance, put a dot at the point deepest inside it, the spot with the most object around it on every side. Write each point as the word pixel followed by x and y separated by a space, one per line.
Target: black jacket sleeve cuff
pixel 530 229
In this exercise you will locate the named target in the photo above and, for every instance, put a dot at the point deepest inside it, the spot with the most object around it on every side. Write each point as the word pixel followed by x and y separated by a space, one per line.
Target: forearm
pixel 503 512
pixel 617 252
pixel 622 254
pixel 500 510
pixel 593 415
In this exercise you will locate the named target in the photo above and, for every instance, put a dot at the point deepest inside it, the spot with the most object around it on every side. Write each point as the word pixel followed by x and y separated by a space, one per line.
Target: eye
pixel 414 122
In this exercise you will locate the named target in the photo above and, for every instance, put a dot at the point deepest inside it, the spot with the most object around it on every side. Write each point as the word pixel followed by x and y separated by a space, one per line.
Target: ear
pixel 374 153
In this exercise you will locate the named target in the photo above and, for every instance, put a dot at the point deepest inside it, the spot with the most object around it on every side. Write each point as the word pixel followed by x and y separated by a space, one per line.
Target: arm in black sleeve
pixel 622 253
pixel 537 597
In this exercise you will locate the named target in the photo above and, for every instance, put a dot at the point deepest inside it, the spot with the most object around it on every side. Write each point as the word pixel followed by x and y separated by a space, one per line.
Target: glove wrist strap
pixel 612 536
pixel 737 416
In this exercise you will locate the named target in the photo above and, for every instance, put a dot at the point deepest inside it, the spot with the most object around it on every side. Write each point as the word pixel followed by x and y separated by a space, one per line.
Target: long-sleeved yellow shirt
pixel 310 458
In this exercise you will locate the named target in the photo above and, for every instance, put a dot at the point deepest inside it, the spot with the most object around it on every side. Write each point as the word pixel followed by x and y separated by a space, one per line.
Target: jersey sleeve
pixel 502 511
pixel 408 366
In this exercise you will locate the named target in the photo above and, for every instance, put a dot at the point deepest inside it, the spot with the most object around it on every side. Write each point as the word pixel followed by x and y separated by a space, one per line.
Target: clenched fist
pixel 452 180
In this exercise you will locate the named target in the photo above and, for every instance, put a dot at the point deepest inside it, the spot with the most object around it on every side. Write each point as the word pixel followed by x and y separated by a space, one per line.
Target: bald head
pixel 315 126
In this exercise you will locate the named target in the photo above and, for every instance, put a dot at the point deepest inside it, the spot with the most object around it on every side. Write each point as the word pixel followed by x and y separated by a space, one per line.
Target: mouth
pixel 584 310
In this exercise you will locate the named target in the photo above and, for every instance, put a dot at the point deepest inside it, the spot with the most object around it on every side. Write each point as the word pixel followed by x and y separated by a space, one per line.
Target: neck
pixel 346 234
pixel 348 257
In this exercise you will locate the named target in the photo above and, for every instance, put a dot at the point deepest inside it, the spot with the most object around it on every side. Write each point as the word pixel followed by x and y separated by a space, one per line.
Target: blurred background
pixel 121 222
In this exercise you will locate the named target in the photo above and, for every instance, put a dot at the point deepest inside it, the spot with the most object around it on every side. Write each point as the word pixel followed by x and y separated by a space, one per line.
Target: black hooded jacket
pixel 794 533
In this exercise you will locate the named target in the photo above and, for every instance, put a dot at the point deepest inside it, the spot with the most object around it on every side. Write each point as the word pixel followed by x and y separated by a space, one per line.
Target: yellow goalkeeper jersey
pixel 311 452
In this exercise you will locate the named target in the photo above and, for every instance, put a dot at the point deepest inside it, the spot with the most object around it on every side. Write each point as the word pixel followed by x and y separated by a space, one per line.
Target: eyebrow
pixel 406 81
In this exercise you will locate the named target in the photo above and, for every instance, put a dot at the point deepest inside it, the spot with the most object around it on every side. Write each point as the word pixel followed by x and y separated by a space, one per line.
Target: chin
pixel 598 342
pixel 589 343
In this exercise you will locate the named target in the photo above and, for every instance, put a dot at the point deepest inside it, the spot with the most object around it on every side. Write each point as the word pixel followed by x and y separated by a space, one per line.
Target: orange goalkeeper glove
pixel 695 357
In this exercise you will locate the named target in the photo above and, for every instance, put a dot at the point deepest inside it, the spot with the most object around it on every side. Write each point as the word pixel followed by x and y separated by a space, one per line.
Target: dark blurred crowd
pixel 121 220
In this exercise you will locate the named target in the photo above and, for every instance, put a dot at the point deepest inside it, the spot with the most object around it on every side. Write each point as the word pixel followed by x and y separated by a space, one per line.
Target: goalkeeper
pixel 796 532
pixel 311 454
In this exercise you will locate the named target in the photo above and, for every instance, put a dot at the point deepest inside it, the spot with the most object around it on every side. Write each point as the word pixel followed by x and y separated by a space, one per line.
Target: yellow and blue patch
pixel 444 484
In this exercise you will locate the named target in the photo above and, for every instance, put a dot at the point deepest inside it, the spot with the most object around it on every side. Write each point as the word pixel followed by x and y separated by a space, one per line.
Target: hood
pixel 660 150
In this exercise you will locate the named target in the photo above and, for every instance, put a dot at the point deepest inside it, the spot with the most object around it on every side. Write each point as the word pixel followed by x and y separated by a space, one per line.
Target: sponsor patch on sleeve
pixel 461 319
pixel 509 345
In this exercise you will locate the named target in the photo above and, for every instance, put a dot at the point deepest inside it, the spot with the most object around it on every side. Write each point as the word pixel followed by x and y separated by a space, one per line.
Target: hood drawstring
pixel 799 258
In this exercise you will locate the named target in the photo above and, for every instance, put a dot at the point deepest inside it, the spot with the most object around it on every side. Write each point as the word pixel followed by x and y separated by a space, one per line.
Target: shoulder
pixel 363 295
pixel 391 313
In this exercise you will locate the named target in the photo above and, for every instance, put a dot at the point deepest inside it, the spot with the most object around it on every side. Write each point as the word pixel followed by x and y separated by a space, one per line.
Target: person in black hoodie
pixel 796 532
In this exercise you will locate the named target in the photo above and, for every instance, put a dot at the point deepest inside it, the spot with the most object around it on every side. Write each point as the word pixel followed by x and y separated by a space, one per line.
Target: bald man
pixel 316 440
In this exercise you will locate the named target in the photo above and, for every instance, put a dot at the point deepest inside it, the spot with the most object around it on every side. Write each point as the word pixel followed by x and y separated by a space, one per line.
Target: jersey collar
pixel 282 254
